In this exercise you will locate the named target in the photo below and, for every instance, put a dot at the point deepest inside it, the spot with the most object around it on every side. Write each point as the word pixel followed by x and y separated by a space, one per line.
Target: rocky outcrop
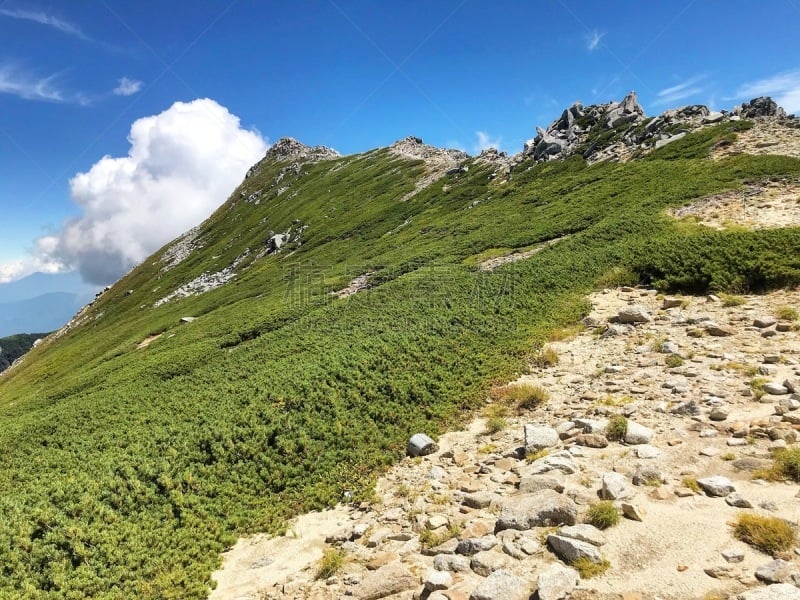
pixel 760 107
pixel 414 147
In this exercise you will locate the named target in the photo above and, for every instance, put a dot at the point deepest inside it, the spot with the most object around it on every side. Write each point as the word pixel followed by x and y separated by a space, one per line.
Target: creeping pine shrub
pixel 602 514
pixel 616 428
pixel 768 534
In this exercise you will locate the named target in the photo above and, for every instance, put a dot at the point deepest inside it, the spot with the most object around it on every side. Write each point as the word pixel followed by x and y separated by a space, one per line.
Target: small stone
pixel 683 492
pixel 479 500
pixel 733 555
pixel 451 562
pixel 716 486
pixel 709 451
pixel 421 445
pixel 556 582
pixel 501 585
pixel 637 434
pixel 391 579
pixel 471 546
pixel 615 487
pixel 719 330
pixel 569 549
pixel 647 474
pixel 632 511
pixel 719 414
pixel 438 580
pixel 591 440
pixel 437 521
pixel 736 442
pixel 554 480
pixel 538 437
pixel 671 302
pixel 646 451
pixel 720 571
pixel 613 369
pixel 764 321
pixel 634 314
pixel 542 509
pixel 774 388
pixel 583 532
pixel 738 501
pixel 487 562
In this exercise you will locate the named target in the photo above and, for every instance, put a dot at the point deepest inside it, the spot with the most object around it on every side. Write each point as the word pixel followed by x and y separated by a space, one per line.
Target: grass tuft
pixel 768 534
pixel 602 514
pixel 587 568
pixel 524 396
pixel 332 560
pixel 787 313
pixel 730 300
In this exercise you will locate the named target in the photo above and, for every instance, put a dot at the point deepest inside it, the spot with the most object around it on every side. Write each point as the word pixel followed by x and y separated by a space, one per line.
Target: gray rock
pixel 542 509
pixel 716 486
pixel 764 321
pixel 777 591
pixel 715 330
pixel 634 512
pixel 637 434
pixel 738 501
pixel 583 532
pixel 479 499
pixel 647 475
pixel 390 579
pixel 553 480
pixel 538 437
pixel 774 388
pixel 501 585
pixel 437 580
pixel 646 451
pixel 713 117
pixel 553 462
pixel 487 562
pixel 671 302
pixel 615 487
pixel 733 555
pixel 719 413
pixel 421 445
pixel 556 582
pixel 470 546
pixel 634 314
pixel 451 562
pixel 569 549
pixel 776 571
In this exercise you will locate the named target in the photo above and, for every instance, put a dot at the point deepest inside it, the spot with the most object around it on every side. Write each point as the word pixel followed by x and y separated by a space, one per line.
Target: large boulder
pixel 778 591
pixel 633 314
pixel 556 582
pixel 542 509
pixel 538 437
pixel 763 106
pixel 569 549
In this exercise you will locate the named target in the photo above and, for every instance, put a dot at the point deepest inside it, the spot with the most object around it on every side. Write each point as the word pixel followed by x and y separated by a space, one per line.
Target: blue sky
pixel 80 81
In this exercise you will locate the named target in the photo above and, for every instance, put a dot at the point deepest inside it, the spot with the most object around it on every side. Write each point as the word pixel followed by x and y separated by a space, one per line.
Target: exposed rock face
pixel 289 149
pixel 760 107
pixel 414 147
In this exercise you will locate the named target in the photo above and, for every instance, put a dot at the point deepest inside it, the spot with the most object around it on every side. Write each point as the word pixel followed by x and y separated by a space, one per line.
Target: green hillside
pixel 14 346
pixel 125 471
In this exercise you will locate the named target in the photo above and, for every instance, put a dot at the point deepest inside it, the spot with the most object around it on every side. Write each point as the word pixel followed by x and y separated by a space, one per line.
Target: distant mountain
pixel 12 347
pixel 41 302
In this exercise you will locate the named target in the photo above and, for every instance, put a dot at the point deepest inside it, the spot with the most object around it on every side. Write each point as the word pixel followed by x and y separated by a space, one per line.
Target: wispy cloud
pixel 484 141
pixel 44 19
pixel 783 87
pixel 686 89
pixel 593 39
pixel 28 86
pixel 127 87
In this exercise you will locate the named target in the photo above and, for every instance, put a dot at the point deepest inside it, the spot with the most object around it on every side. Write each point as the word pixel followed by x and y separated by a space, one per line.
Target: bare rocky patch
pixel 760 206
pixel 482 511
pixel 767 136
pixel 493 263
pixel 438 161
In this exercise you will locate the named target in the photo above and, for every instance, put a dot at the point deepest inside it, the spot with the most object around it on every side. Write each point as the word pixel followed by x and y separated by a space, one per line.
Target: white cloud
pixel 182 164
pixel 44 19
pixel 676 93
pixel 30 87
pixel 485 142
pixel 127 87
pixel 783 87
pixel 593 40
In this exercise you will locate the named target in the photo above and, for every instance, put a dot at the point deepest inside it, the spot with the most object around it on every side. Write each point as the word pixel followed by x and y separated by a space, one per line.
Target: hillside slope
pixel 14 346
pixel 221 387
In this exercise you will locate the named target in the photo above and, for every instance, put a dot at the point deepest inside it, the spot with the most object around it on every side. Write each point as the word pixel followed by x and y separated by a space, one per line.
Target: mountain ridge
pixel 259 399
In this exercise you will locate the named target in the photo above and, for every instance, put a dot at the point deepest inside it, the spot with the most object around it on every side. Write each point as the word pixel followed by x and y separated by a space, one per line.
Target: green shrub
pixel 616 428
pixel 524 396
pixel 768 534
pixel 673 360
pixel 602 514
pixel 730 300
pixel 545 357
pixel 787 313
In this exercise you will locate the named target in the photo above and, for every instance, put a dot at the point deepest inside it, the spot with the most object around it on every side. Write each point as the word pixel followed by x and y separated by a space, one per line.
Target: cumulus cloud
pixel 783 87
pixel 127 87
pixel 44 19
pixel 685 89
pixel 484 142
pixel 181 165
pixel 37 261
pixel 593 40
